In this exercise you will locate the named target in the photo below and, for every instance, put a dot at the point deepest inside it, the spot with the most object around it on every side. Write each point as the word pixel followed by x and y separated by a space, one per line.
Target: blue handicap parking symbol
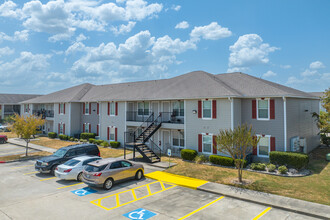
pixel 140 214
pixel 84 191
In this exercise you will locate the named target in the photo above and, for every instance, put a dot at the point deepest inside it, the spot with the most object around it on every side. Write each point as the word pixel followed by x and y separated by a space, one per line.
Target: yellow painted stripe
pixel 31 173
pixel 176 179
pixel 117 200
pixel 203 207
pixel 23 166
pixel 48 178
pixel 261 214
pixel 134 195
pixel 69 185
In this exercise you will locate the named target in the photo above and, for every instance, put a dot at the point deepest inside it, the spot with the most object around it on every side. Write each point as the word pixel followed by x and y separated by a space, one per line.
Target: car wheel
pixel 139 175
pixel 79 177
pixel 52 171
pixel 108 184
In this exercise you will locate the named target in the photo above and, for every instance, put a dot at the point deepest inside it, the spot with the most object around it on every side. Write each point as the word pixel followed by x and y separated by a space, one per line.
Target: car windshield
pixel 90 168
pixel 72 162
pixel 60 153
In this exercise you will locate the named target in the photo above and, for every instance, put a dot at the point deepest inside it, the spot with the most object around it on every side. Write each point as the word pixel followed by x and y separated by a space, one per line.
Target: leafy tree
pixel 25 127
pixel 323 118
pixel 238 143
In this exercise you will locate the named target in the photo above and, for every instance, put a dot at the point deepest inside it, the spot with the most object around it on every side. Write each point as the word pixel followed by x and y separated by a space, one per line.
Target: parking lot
pixel 11 149
pixel 26 194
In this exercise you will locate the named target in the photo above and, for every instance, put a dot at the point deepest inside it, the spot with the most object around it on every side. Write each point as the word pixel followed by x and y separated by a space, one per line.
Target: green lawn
pixel 314 188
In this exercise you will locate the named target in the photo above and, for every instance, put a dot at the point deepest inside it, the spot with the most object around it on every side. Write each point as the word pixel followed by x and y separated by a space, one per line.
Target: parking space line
pixel 69 185
pixel 31 173
pixel 203 207
pixel 262 213
pixel 98 201
pixel 23 166
pixel 48 178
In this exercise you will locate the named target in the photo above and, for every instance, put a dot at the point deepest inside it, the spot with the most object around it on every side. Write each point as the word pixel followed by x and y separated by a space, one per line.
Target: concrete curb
pixel 32 146
pixel 19 160
pixel 267 199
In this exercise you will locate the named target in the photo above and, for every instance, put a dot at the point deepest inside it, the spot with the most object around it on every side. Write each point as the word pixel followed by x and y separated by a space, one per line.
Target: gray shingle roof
pixel 15 98
pixel 193 85
pixel 317 94
pixel 72 94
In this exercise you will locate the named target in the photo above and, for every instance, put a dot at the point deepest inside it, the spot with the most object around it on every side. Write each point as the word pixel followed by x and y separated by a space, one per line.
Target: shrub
pixel 220 160
pixel 52 135
pixel 87 136
pixel 258 166
pixel 240 161
pixel 290 159
pixel 91 140
pixel 271 167
pixel 76 139
pixel 98 142
pixel 105 144
pixel 71 139
pixel 114 144
pixel 325 140
pixel 283 169
pixel 188 154
pixel 201 159
pixel 63 137
pixel 83 140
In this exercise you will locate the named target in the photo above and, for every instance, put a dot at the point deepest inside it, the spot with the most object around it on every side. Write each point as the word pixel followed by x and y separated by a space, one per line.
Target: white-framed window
pixel 178 138
pixel 112 135
pixel 61 108
pixel 207 143
pixel 143 108
pixel 207 109
pixel 112 108
pixel 178 108
pixel 26 108
pixel 86 128
pixel 263 109
pixel 87 108
pixel 264 145
pixel 61 128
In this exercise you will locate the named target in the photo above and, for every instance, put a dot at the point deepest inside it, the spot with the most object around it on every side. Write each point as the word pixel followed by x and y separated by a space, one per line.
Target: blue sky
pixel 51 45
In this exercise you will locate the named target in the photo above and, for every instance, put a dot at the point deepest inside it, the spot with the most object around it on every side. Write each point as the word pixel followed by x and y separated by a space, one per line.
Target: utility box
pixel 295 144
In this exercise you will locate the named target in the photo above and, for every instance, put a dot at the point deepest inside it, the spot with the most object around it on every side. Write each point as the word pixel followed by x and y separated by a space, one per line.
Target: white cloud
pixel 268 74
pixel 213 31
pixel 18 36
pixel 308 83
pixel 76 47
pixel 309 72
pixel 6 51
pixel 123 29
pixel 316 65
pixel 285 66
pixel 8 9
pixel 176 7
pixel 81 37
pixel 248 50
pixel 182 25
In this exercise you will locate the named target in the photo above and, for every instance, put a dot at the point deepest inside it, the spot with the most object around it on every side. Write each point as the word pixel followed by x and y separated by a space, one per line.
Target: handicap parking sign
pixel 84 191
pixel 140 214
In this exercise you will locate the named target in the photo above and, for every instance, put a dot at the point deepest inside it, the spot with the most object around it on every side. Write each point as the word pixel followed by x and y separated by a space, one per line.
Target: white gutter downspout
pixel 285 133
pixel 231 112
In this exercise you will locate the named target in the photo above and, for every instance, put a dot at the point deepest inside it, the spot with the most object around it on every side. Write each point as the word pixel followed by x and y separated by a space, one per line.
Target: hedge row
pixel 52 135
pixel 289 159
pixel 87 136
pixel 188 154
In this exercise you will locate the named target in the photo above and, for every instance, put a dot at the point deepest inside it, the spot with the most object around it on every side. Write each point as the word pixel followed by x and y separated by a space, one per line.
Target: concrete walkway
pixel 22 143
pixel 281 202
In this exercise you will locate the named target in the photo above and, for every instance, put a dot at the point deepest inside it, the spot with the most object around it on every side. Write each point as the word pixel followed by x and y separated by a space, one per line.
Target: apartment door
pixel 166 140
pixel 131 115
pixel 166 115
pixel 154 108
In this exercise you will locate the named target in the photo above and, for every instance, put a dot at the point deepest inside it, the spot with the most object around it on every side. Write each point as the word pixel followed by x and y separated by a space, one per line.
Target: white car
pixel 72 169
pixel 3 127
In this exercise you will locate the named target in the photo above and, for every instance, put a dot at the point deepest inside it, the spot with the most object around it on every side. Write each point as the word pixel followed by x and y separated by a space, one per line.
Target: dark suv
pixel 48 164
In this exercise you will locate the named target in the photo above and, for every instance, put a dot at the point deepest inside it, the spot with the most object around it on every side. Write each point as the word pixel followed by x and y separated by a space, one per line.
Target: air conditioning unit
pixel 295 144
pixel 302 145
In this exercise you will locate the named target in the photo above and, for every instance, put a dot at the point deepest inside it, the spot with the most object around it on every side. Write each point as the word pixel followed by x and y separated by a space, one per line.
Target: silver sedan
pixel 72 169
pixel 104 173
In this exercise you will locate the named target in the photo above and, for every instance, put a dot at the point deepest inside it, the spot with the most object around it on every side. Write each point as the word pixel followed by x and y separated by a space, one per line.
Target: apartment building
pixel 185 112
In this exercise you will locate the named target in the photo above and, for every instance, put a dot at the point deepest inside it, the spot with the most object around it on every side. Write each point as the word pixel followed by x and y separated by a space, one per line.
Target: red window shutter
pixel 59 128
pixel 214 108
pixel 98 108
pixel 83 128
pixel 116 112
pixel 97 130
pixel 199 109
pixel 115 134
pixel 255 148
pixel 200 143
pixel 63 109
pixel 84 108
pixel 272 109
pixel 63 128
pixel 214 145
pixel 254 109
pixel 90 108
pixel 90 128
pixel 272 143
pixel 108 134
pixel 108 109
pixel 59 108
